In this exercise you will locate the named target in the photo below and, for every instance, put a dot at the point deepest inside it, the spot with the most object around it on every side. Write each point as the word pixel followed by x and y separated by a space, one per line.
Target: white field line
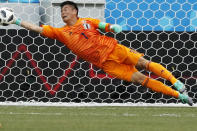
pixel 92 104
pixel 70 114
pixel 167 115
pixel 175 115
pixel 99 114
pixel 31 113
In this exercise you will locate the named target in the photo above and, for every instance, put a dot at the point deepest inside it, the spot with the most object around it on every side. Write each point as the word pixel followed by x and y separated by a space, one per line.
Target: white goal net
pixel 39 69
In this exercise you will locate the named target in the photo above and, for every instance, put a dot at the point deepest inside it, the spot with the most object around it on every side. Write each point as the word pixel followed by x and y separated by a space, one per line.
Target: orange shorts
pixel 121 62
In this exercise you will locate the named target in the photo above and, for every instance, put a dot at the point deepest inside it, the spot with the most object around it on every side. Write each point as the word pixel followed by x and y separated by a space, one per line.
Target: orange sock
pixel 158 86
pixel 159 70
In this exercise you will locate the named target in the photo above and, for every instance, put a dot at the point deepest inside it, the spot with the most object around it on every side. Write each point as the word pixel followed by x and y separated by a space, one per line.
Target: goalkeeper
pixel 82 37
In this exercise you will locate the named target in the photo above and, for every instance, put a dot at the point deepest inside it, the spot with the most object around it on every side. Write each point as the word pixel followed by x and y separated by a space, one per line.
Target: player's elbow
pixel 39 30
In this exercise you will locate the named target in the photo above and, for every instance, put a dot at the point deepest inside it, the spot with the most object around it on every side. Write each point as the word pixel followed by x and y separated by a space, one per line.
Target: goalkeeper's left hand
pixel 109 27
pixel 116 28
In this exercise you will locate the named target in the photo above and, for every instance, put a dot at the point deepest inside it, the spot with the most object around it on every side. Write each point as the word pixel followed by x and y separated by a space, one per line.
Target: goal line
pixel 93 104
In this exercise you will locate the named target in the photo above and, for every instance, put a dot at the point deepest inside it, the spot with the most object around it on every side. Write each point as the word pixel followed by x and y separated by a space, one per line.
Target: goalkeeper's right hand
pixel 6 16
pixel 16 21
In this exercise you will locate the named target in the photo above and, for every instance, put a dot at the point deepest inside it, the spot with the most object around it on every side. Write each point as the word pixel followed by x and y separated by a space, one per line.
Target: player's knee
pixel 138 78
pixel 142 62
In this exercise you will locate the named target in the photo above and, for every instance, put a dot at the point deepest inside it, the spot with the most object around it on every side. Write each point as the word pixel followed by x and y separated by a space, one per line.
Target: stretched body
pixel 81 35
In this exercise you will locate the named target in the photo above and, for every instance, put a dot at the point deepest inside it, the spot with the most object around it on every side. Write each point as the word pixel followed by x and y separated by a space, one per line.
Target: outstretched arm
pixel 28 25
pixel 46 31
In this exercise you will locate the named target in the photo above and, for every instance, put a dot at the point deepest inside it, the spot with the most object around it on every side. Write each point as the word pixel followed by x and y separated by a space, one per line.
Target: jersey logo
pixel 86 25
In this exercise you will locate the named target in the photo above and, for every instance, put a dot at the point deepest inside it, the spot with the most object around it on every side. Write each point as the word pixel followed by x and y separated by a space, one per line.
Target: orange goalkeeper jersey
pixel 84 40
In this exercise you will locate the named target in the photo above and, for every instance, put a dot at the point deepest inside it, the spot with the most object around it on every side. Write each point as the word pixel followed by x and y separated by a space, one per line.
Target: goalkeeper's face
pixel 68 13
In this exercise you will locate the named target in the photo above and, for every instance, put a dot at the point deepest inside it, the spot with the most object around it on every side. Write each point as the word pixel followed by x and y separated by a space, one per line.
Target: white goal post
pixel 40 71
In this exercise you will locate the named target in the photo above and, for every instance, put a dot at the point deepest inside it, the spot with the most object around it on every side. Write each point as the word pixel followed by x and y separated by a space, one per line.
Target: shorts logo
pixel 133 51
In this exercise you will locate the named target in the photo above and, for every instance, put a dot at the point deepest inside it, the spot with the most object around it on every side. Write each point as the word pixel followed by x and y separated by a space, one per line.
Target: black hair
pixel 73 4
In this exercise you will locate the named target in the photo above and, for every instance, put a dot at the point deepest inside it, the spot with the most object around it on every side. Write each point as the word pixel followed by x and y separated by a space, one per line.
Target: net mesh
pixel 41 69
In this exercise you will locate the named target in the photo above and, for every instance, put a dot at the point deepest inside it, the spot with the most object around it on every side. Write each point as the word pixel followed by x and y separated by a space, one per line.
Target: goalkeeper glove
pixel 17 21
pixel 116 28
pixel 108 27
pixel 8 17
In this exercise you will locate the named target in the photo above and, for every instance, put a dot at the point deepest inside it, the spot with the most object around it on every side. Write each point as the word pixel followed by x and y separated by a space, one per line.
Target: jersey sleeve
pixel 48 31
pixel 94 21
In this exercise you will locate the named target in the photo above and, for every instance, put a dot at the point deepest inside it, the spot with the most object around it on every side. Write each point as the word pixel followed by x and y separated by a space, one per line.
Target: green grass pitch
pixel 26 118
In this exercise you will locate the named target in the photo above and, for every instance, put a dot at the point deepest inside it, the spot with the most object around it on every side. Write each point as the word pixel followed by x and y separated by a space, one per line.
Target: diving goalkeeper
pixel 82 37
